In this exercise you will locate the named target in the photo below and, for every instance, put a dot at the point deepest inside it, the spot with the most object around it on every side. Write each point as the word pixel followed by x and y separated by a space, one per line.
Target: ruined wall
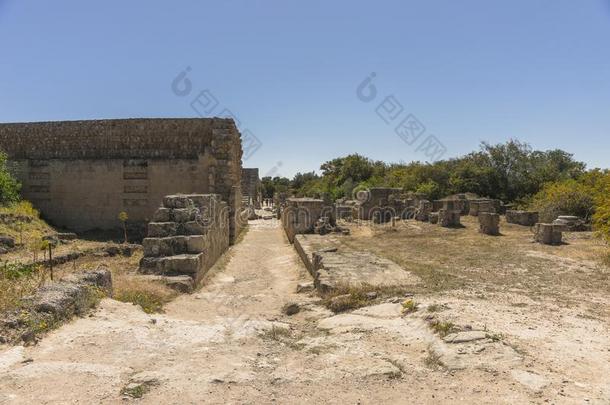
pixel 188 235
pixel 81 174
pixel 251 186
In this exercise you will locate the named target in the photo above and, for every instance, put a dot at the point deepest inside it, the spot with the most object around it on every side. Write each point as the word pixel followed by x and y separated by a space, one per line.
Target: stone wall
pixel 301 214
pixel 81 174
pixel 251 186
pixel 525 218
pixel 188 235
pixel 372 200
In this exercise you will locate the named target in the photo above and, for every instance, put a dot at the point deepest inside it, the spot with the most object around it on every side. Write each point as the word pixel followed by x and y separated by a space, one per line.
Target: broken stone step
pixel 184 264
pixel 179 215
pixel 182 284
pixel 176 201
pixel 162 229
pixel 173 245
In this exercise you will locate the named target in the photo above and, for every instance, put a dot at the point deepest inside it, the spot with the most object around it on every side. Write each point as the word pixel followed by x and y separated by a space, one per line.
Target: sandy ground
pixel 231 343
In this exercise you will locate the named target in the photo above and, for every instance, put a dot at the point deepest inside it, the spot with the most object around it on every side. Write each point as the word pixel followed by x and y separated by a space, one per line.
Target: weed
pixel 434 308
pixel 433 360
pixel 275 333
pixel 443 328
pixel 495 337
pixel 409 306
pixel 349 297
pixel 150 296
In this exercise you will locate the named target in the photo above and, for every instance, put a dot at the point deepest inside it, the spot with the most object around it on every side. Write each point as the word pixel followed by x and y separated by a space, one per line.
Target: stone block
pixel 194 228
pixel 449 219
pixel 176 201
pixel 182 264
pixel 163 215
pixel 182 215
pixel 168 246
pixel 162 229
pixel 525 218
pixel 548 234
pixel 195 244
pixel 489 223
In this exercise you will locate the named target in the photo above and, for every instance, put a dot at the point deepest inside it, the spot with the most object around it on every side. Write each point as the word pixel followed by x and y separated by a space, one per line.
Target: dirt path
pixel 231 343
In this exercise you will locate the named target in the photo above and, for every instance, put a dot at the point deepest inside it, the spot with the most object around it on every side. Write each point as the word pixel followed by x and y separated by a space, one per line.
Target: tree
pixel 123 217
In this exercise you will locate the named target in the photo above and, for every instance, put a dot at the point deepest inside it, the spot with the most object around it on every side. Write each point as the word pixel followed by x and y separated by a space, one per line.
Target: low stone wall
pixel 371 200
pixel 333 265
pixel 525 218
pixel 188 235
pixel 300 215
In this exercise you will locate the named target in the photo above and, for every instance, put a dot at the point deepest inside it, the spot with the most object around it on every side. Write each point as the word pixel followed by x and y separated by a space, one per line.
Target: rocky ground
pixel 232 342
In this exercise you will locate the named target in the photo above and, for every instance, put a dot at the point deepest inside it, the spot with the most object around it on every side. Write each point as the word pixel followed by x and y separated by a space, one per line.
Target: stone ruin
pixel 449 215
pixel 300 215
pixel 449 218
pixel 377 201
pixel 489 223
pixel 423 211
pixel 251 188
pixel 525 218
pixel 572 223
pixel 188 234
pixel 548 234
pixel 484 205
pixel 82 174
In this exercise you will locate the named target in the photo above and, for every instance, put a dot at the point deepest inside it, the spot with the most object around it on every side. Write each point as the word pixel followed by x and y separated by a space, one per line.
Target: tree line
pixel 550 181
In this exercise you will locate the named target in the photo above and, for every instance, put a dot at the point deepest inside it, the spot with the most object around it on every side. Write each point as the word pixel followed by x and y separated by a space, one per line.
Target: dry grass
pixel 16 282
pixel 433 360
pixel 276 334
pixel 348 297
pixel 26 225
pixel 450 259
pixel 150 296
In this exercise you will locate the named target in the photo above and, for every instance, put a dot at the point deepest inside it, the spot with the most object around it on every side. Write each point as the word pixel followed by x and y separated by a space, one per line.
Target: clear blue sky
pixel 473 70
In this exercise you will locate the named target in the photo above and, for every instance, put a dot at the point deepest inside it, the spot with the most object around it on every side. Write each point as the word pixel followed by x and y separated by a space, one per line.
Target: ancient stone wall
pixel 188 235
pixel 301 214
pixel 81 174
pixel 251 186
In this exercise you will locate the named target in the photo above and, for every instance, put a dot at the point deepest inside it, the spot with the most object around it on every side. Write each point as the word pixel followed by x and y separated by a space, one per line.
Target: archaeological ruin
pixel 251 187
pixel 82 174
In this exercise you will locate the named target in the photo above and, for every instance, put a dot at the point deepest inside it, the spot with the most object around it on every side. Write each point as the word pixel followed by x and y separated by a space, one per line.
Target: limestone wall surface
pixel 81 174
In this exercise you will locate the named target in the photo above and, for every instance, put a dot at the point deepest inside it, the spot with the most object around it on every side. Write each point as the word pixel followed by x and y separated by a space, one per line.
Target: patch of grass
pixel 443 328
pixel 275 333
pixel 495 337
pixel 138 390
pixel 606 259
pixel 16 282
pixel 434 308
pixel 433 360
pixel 349 297
pixel 150 296
pixel 409 306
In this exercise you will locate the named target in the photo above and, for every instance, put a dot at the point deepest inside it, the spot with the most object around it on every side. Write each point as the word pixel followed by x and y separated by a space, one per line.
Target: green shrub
pixel 568 197
pixel 9 186
pixel 601 218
